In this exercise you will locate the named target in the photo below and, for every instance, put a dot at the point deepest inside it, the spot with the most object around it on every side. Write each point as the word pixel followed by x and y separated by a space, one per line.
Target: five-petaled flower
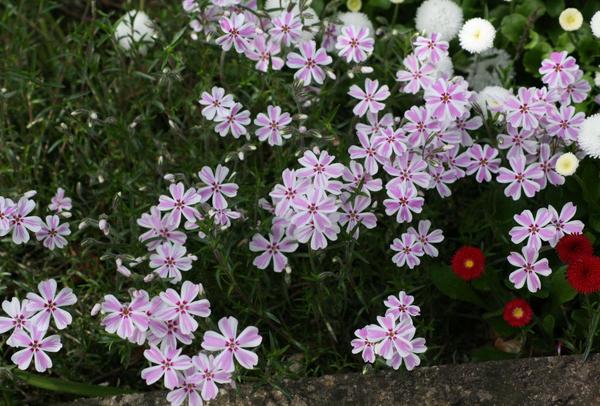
pixel 49 305
pixel 170 260
pixel 529 267
pixel 370 98
pixel 354 44
pixel 35 347
pixel 215 188
pixel 237 31
pixel 230 344
pixel 309 63
pixel 272 125
pixel 401 306
pixel 272 249
pixel 169 361
pixel 125 318
pixel 183 307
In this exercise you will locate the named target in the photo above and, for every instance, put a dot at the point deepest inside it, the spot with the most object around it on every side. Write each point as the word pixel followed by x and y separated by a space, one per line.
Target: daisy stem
pixel 396 9
pixel 593 327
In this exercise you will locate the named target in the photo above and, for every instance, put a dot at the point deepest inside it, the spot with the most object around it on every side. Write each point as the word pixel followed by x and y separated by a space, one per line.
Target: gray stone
pixel 565 380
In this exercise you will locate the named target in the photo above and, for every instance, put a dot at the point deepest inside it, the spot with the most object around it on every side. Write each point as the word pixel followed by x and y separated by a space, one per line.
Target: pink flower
pixel 318 236
pixel 264 52
pixel 409 250
pixel 313 207
pixel 286 29
pixel 18 317
pixel 233 121
pixel 409 169
pixel 358 178
pixel 387 141
pixel 309 63
pixel 376 125
pixel 366 151
pixel 184 307
pixel 170 260
pixel 272 125
pixel 370 98
pixel 529 269
pixel 187 388
pixel 480 160
pixel 577 91
pixel 210 373
pixel 180 202
pixel 401 307
pixel 272 249
pixel 524 111
pixel 49 304
pixel 562 223
pixel 403 200
pixel 447 100
pixel 233 345
pixel 426 239
pixel 124 319
pixel 353 213
pixel 420 126
pixel 363 345
pixel 547 164
pixel 411 360
pixel 519 141
pixel 60 202
pixel 441 178
pixel 431 49
pixel 535 230
pixel 164 333
pixel 34 346
pixel 330 34
pixel 520 177
pixel 217 103
pixel 223 217
pixel 283 195
pixel 168 362
pixel 237 33
pixel 559 69
pixel 320 169
pixel 215 187
pixel 564 123
pixel 418 77
pixel 7 208
pixel 20 222
pixel 462 124
pixel 52 233
pixel 354 44
pixel 161 229
pixel 391 337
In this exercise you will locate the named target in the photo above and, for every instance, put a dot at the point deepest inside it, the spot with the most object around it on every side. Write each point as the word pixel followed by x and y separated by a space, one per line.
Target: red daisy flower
pixel 584 274
pixel 517 313
pixel 468 263
pixel 573 246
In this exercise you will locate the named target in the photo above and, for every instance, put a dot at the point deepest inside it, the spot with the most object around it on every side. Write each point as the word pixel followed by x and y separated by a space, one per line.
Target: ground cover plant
pixel 198 194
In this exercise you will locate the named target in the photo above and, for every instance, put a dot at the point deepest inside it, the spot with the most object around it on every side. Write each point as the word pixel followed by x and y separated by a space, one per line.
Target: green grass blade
pixel 64 386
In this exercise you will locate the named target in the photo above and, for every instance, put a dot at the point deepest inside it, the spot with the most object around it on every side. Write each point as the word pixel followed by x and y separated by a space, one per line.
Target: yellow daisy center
pixel 518 313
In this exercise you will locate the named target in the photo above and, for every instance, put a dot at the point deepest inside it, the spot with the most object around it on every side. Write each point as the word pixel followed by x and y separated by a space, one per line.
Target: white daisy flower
pixel 135 27
pixel 570 19
pixel 442 16
pixel 567 164
pixel 595 24
pixel 477 35
pixel 358 20
pixel 589 136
